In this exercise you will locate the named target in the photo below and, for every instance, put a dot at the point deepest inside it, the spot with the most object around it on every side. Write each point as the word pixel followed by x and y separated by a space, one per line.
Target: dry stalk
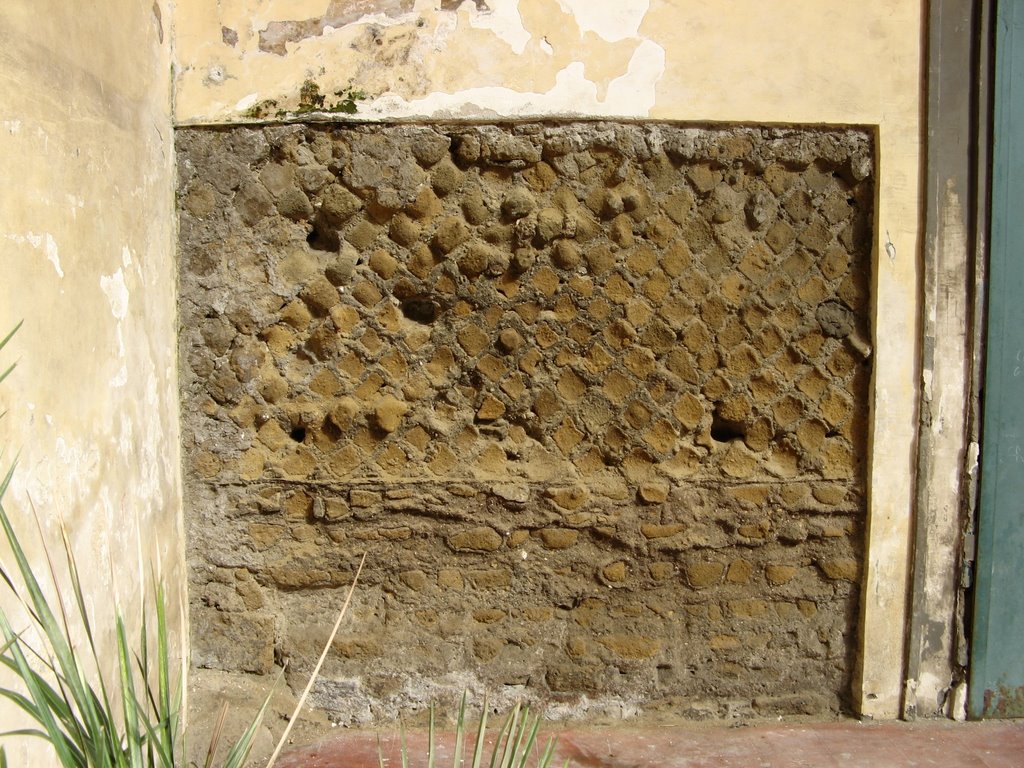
pixel 316 669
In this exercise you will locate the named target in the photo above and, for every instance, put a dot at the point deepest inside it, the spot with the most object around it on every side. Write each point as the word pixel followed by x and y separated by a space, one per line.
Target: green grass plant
pixel 515 746
pixel 135 721
pixel 131 722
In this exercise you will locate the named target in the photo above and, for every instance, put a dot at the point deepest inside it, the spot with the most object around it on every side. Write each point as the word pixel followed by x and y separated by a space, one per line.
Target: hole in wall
pixel 331 431
pixel 421 309
pixel 724 430
pixel 321 239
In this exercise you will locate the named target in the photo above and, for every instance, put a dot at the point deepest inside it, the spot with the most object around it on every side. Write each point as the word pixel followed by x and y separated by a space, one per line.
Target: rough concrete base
pixel 209 690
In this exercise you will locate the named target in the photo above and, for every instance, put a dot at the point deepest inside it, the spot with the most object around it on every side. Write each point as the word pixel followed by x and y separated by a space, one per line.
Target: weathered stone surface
pixel 481 539
pixel 233 641
pixel 579 391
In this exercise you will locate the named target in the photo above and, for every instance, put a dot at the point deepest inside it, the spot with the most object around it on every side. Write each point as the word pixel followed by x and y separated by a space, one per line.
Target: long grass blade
pixel 527 738
pixel 507 741
pixel 218 730
pixel 166 707
pixel 59 702
pixel 431 739
pixel 7 479
pixel 100 710
pixel 3 343
pixel 239 753
pixel 460 732
pixel 481 734
pixel 9 336
pixel 316 670
pixel 146 699
pixel 157 753
pixel 549 754
pixel 70 673
pixel 531 740
pixel 89 724
pixel 129 700
pixel 40 711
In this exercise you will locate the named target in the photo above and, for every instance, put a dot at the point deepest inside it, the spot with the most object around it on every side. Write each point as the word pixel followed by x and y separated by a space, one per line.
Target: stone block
pixel 232 641
pixel 480 539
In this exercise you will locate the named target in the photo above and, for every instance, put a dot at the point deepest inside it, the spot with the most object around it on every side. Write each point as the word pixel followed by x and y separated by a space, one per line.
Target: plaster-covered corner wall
pixel 86 253
pixel 756 61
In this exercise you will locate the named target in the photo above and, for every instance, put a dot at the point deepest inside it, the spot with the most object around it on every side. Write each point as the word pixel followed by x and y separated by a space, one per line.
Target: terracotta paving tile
pixel 924 744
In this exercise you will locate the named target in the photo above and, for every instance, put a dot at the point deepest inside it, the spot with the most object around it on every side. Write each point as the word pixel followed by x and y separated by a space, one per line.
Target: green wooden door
pixel 997 651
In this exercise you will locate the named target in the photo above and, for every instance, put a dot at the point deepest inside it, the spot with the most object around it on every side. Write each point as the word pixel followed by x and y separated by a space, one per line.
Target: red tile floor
pixel 850 744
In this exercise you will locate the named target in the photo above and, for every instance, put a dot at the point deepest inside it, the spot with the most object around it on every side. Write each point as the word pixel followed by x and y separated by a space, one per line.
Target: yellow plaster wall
pixel 87 261
pixel 755 61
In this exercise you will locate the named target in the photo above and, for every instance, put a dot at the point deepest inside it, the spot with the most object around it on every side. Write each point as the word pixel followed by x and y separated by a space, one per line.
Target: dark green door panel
pixel 997 652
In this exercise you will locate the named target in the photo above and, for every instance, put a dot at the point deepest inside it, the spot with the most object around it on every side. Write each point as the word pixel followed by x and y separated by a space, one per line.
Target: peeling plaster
pixel 631 94
pixel 519 45
pixel 611 21
pixel 53 255
pixel 77 461
pixel 504 20
pixel 973 454
pixel 638 84
pixel 117 293
pixel 76 204
pixel 275 37
pixel 120 378
pixel 246 102
pixel 44 242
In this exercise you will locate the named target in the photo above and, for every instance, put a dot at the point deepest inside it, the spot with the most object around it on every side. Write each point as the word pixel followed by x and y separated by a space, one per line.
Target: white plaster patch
pixel 53 255
pixel 120 341
pixel 646 67
pixel 45 243
pixel 504 21
pixel 13 127
pixel 246 101
pixel 931 691
pixel 610 20
pixel 126 438
pixel 447 23
pixel 973 454
pixel 126 256
pixel 117 293
pixel 958 702
pixel 76 204
pixel 630 95
pixel 66 469
pixel 120 378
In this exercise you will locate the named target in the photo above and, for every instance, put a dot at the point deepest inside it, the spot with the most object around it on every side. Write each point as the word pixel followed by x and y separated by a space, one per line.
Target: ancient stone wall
pixel 591 396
